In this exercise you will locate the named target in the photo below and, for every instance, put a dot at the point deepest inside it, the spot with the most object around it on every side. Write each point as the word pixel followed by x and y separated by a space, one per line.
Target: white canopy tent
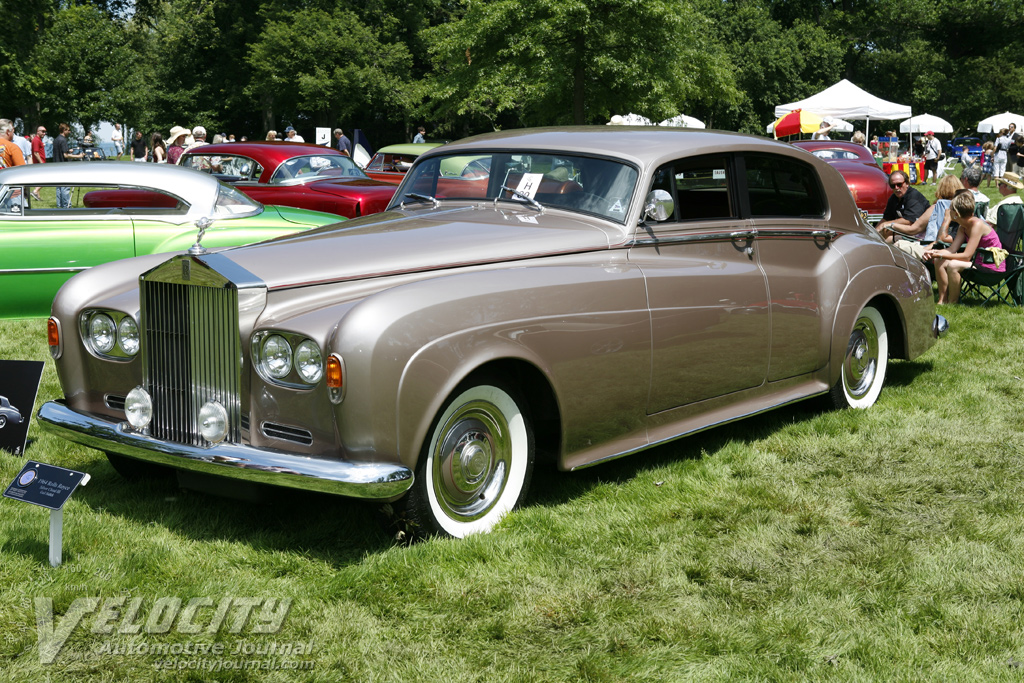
pixel 994 124
pixel 837 125
pixel 845 100
pixel 924 123
pixel 683 121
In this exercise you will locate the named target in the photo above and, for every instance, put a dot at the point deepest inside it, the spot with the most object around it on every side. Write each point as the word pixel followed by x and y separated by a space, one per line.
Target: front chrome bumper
pixel 375 481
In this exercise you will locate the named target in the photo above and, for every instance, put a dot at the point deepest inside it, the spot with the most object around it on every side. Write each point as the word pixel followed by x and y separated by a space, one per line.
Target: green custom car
pixel 105 212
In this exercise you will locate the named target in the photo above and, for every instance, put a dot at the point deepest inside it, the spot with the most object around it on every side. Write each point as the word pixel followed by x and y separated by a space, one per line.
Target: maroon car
pixel 293 174
pixel 867 182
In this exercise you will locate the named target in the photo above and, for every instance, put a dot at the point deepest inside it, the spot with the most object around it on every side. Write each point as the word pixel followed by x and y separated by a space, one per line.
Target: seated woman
pixel 932 223
pixel 976 234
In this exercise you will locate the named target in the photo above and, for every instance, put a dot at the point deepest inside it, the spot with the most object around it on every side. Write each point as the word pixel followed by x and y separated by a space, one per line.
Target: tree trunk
pixel 578 87
pixel 267 105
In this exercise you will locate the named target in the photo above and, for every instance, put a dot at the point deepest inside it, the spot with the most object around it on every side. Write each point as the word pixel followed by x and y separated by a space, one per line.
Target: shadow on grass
pixel 903 373
pixel 336 530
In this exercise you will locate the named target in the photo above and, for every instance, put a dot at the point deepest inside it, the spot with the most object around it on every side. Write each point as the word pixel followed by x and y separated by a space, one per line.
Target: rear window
pixel 783 187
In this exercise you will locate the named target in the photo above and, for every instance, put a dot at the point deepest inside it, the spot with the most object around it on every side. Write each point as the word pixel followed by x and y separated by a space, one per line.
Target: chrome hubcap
pixel 472 460
pixel 861 362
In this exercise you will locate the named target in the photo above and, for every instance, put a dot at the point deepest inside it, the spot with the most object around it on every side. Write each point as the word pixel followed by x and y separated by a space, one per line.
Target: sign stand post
pixel 50 487
pixel 56 536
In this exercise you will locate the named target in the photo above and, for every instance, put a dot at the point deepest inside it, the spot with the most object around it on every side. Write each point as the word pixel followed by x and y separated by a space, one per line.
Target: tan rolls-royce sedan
pixel 587 292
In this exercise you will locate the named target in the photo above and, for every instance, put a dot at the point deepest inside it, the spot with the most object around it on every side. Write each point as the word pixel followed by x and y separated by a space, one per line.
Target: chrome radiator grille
pixel 192 355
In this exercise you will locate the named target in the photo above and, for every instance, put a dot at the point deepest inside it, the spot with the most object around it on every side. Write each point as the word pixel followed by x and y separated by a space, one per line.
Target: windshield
pixel 301 169
pixel 231 202
pixel 599 187
pixel 226 167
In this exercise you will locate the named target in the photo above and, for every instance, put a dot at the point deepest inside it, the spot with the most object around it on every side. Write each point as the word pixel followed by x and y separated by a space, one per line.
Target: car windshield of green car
pixel 597 187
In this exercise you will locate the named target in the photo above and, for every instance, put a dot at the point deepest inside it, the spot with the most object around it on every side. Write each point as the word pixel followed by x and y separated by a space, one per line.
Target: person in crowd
pixel 932 152
pixel 231 137
pixel 858 138
pixel 1003 143
pixel 117 138
pixel 1009 184
pixel 919 146
pixel 271 135
pixel 342 142
pixel 935 221
pixel 823 130
pixel 420 136
pixel 159 149
pixel 10 151
pixel 976 234
pixel 1014 159
pixel 176 143
pixel 244 138
pixel 38 152
pixel 903 208
pixel 140 152
pixel 199 137
pixel 966 160
pixel 25 145
pixel 987 153
pixel 873 145
pixel 971 178
pixel 292 136
pixel 60 154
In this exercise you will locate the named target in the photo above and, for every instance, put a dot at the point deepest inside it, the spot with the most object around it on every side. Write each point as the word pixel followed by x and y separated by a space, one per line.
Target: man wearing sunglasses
pixel 904 207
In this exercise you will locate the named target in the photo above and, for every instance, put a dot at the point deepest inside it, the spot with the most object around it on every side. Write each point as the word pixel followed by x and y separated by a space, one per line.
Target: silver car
pixel 586 293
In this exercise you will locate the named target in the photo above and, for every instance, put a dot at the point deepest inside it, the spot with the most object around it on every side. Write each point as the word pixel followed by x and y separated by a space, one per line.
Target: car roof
pixel 199 189
pixel 409 148
pixel 268 152
pixel 643 145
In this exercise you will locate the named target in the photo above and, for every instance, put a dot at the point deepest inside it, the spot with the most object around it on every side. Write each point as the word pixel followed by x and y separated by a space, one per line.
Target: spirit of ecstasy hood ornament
pixel 203 223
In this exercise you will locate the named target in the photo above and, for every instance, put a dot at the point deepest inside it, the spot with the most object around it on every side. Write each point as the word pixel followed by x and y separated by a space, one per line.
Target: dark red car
pixel 868 184
pixel 293 174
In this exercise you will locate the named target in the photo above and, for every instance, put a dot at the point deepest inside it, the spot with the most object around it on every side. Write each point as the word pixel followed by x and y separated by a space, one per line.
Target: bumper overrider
pixel 375 481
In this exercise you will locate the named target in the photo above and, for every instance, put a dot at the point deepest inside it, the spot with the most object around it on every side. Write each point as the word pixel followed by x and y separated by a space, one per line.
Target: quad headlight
pixel 110 334
pixel 287 358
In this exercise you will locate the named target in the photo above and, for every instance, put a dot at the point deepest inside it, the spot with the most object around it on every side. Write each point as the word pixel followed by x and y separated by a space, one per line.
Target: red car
pixel 293 174
pixel 868 184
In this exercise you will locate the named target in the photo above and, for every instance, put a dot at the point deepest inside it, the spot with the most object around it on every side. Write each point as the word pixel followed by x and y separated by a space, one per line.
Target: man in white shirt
pixel 118 139
pixel 932 151
pixel 292 136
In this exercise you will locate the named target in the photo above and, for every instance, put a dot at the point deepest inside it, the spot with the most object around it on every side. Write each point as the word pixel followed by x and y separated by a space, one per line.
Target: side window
pixel 89 200
pixel 13 201
pixel 783 187
pixel 699 186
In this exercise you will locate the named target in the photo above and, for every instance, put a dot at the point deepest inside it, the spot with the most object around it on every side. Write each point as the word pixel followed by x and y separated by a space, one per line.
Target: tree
pixel 84 69
pixel 330 66
pixel 537 62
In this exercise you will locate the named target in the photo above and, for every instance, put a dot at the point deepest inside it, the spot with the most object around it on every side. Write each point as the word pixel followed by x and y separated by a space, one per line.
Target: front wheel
pixel 864 364
pixel 3 421
pixel 476 465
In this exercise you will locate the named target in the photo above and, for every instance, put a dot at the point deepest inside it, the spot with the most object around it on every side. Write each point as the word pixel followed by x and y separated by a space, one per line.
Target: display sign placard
pixel 19 384
pixel 45 485
pixel 323 136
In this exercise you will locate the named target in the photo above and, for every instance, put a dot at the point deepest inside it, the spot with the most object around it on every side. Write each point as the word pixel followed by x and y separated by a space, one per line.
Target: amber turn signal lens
pixel 52 332
pixel 334 372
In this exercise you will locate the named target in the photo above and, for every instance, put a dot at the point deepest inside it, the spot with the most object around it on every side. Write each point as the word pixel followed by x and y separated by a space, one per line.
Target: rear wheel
pixel 865 362
pixel 3 421
pixel 476 465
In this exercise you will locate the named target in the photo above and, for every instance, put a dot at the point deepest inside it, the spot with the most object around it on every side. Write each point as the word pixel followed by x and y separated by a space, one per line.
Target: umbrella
pixel 994 124
pixel 925 123
pixel 809 123
pixel 683 121
pixel 630 120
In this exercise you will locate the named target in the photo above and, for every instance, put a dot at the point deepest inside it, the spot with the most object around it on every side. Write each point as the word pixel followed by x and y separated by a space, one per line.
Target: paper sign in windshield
pixel 528 185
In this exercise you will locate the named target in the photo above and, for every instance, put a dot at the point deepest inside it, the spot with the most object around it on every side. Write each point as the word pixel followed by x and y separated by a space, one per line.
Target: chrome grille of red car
pixel 192 355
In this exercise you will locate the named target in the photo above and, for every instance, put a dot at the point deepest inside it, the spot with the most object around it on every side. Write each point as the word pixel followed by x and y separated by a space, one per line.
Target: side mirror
pixel 659 205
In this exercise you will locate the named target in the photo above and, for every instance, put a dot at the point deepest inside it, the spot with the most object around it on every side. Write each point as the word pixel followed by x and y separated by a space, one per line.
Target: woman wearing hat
pixel 175 143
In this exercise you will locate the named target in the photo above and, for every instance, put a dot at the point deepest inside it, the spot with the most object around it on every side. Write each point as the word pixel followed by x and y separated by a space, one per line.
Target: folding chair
pixel 987 284
pixel 946 166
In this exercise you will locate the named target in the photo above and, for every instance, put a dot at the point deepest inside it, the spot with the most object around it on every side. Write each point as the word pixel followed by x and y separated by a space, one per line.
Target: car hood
pixel 418 240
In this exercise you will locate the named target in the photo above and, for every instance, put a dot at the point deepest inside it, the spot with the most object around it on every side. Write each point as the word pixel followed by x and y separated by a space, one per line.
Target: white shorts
pixel 999 165
pixel 143 159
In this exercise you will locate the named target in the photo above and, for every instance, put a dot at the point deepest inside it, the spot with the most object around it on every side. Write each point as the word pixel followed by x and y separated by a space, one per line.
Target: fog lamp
pixel 213 422
pixel 138 407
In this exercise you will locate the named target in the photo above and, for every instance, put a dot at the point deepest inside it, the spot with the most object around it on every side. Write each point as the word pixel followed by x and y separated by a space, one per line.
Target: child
pixel 987 157
pixel 977 234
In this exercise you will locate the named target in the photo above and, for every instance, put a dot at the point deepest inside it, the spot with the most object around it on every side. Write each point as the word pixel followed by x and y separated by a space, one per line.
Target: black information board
pixel 19 383
pixel 45 485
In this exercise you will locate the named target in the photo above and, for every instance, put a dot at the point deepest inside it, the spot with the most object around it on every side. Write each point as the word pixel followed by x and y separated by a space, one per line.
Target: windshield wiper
pixel 425 199
pixel 525 197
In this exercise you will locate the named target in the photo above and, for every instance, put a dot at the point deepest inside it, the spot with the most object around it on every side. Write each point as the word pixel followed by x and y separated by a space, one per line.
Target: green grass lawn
pixel 875 545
